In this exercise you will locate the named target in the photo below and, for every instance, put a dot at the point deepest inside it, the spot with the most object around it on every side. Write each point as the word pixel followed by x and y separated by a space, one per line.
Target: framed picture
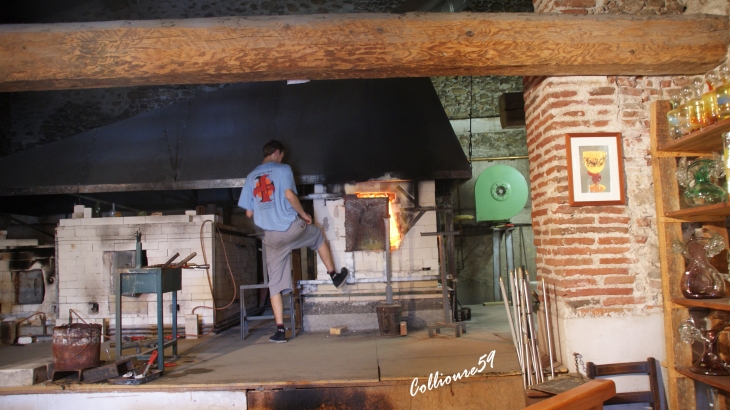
pixel 595 169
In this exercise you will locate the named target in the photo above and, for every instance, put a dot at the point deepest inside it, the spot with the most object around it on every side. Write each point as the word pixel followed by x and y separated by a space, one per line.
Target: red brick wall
pixel 602 260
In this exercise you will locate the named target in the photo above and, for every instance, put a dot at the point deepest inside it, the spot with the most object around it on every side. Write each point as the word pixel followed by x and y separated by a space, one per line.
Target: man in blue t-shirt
pixel 270 196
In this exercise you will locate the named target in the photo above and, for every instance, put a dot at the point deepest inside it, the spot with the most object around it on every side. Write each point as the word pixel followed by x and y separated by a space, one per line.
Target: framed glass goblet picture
pixel 595 169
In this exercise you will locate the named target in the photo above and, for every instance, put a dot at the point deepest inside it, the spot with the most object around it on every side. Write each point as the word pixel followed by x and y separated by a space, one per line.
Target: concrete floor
pixel 319 357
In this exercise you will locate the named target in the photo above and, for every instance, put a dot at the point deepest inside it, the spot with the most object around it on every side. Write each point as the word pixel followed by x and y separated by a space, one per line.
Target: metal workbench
pixel 135 281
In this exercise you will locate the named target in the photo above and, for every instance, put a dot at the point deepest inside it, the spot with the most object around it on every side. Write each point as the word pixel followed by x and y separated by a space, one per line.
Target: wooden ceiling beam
pixel 242 49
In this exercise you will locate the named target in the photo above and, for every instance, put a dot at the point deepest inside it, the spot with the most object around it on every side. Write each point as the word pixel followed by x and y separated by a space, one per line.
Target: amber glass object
pixel 694 107
pixel 706 332
pixel 700 279
pixel 722 92
pixel 709 98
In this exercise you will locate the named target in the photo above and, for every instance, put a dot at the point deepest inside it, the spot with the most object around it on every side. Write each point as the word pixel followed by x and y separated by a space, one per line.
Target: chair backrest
pixel 648 368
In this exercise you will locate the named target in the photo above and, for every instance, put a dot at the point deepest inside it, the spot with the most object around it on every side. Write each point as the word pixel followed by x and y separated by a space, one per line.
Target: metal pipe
pixel 500 158
pixel 509 252
pixel 509 319
pixel 496 262
pixel 518 322
pixel 166 264
pixel 184 261
pixel 388 270
pixel 547 329
pixel 536 352
pixel 523 328
pixel 444 285
pixel 138 255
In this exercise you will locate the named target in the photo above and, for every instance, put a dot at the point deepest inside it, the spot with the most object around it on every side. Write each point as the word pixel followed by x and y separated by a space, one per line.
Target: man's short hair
pixel 272 146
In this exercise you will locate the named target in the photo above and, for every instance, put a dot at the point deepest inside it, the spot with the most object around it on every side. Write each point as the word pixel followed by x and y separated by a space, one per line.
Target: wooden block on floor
pixel 338 330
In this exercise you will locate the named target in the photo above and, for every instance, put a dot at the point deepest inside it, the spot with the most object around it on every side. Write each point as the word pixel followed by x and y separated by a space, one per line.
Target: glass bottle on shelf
pixel 700 279
pixel 673 116
pixel 709 98
pixel 722 92
pixel 694 106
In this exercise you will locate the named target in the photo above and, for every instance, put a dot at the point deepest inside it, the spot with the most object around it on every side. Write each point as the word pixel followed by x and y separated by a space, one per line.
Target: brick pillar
pixel 601 263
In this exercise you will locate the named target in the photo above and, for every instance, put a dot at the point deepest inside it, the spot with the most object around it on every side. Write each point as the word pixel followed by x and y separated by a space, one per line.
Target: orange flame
pixel 395 235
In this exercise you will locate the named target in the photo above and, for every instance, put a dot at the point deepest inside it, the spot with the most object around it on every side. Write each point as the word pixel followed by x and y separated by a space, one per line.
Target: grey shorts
pixel 279 245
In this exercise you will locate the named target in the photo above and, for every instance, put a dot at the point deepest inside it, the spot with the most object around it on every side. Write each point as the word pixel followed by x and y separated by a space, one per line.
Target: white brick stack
pixel 83 279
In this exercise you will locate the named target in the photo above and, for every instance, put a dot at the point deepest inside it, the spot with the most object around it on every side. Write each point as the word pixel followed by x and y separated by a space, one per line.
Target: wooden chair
pixel 588 396
pixel 649 368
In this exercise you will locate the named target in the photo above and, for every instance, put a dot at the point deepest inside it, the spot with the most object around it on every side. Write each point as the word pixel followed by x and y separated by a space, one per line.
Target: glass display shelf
pixel 721 382
pixel 715 304
pixel 697 213
pixel 707 139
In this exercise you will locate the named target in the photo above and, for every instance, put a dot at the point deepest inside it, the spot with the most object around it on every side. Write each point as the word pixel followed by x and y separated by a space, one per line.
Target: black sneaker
pixel 338 279
pixel 279 336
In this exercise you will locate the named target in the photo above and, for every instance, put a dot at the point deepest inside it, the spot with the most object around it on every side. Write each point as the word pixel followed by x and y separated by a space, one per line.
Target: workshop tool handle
pixel 166 264
pixel 153 357
pixel 184 261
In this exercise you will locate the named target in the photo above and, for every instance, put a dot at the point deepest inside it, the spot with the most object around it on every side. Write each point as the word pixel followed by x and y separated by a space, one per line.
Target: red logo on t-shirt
pixel 264 188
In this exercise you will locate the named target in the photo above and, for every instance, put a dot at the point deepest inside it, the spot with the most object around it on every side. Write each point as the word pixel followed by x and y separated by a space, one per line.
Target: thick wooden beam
pixel 238 49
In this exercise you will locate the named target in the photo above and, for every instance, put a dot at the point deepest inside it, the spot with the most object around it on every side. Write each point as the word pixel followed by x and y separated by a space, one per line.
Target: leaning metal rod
pixel 518 331
pixel 547 329
pixel 536 352
pixel 509 319
pixel 528 323
pixel 514 312
pixel 523 328
pixel 388 271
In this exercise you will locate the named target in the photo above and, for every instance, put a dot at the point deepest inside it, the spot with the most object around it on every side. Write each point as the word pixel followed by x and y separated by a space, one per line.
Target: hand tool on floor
pixel 153 357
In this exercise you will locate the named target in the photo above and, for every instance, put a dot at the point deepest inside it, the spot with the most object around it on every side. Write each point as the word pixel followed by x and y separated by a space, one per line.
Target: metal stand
pixel 245 318
pixel 149 280
pixel 497 234
pixel 457 327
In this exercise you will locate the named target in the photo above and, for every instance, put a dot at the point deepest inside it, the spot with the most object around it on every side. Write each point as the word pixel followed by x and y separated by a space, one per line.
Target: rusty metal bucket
pixel 389 318
pixel 76 346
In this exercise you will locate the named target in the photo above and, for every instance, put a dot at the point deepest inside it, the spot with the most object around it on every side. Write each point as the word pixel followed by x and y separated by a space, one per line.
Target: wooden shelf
pixel 716 304
pixel 664 151
pixel 698 212
pixel 721 382
pixel 708 139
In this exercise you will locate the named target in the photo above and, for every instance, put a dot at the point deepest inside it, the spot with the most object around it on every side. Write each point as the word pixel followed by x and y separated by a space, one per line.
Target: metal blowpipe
pixel 524 327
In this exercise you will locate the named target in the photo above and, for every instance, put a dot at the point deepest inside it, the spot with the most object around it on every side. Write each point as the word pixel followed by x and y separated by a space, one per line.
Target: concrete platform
pixel 314 370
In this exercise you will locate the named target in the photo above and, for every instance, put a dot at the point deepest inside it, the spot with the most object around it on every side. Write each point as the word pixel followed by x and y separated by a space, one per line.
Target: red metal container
pixel 76 346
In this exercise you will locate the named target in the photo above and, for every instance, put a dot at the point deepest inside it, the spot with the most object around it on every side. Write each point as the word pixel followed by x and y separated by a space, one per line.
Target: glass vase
pixel 700 279
pixel 697 180
pixel 709 362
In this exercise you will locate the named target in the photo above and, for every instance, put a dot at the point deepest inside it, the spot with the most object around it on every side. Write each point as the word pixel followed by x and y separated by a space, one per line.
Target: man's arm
pixel 294 201
pixel 249 213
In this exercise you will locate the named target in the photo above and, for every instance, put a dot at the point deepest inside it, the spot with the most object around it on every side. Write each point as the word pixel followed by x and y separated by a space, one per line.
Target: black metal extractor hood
pixel 335 132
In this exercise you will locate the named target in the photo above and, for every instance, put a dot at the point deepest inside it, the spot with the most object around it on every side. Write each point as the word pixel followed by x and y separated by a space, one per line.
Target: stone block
pixel 26 375
pixel 192 326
